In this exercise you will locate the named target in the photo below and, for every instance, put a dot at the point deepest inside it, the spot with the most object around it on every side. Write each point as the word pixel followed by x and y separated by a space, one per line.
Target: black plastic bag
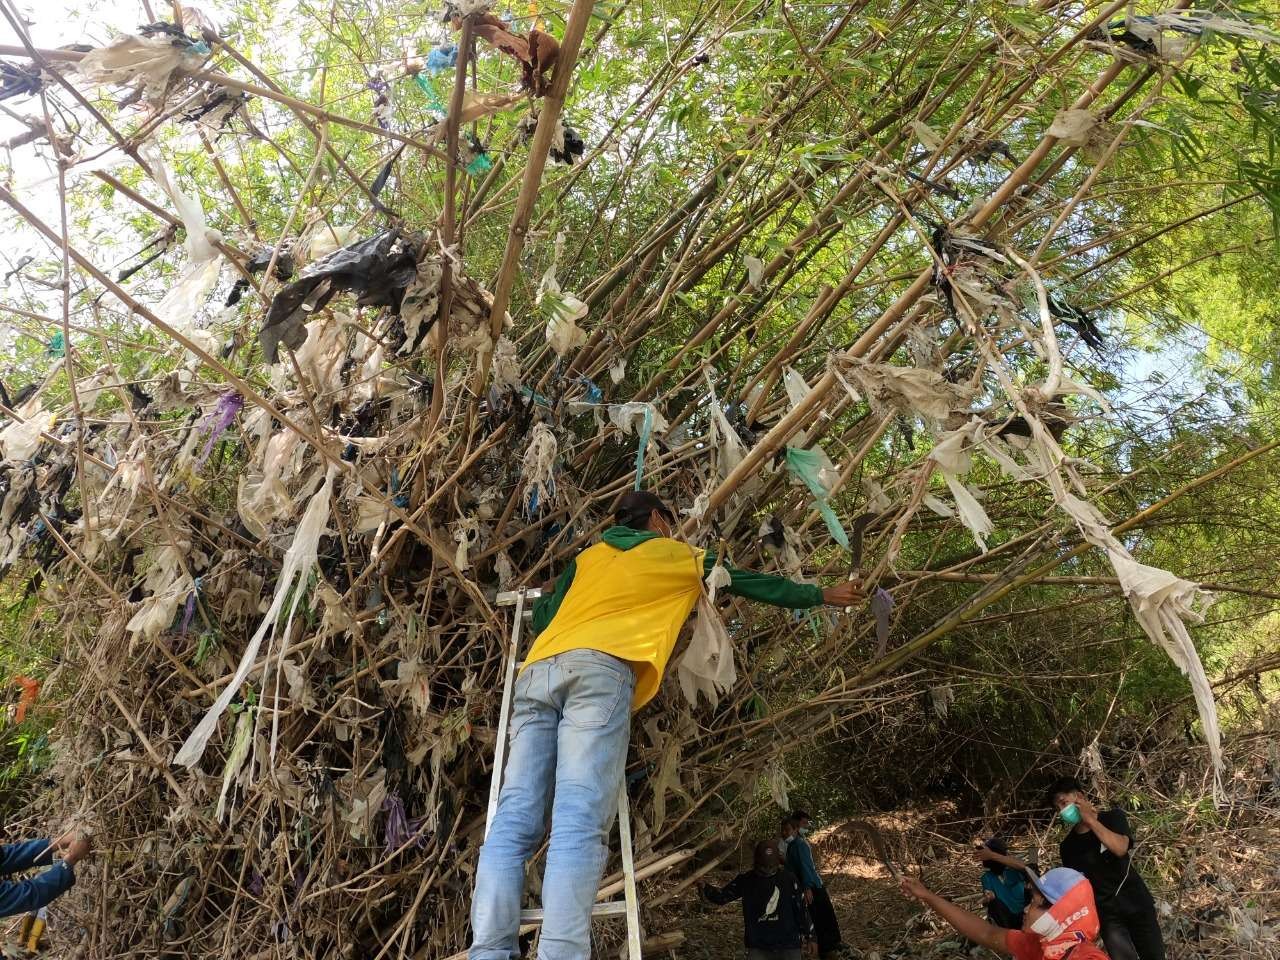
pixel 378 269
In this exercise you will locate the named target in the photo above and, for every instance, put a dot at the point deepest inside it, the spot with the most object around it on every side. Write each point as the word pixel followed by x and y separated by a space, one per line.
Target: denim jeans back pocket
pixel 593 692
pixel 530 689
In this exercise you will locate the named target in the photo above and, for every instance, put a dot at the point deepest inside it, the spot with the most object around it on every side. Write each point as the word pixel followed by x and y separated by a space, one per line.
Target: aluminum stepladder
pixel 628 906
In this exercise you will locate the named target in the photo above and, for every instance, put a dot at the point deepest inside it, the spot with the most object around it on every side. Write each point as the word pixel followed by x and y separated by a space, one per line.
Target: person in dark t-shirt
pixel 1100 845
pixel 776 924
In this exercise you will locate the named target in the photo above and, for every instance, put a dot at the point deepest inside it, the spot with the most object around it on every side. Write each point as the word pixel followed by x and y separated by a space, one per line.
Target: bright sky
pixel 32 175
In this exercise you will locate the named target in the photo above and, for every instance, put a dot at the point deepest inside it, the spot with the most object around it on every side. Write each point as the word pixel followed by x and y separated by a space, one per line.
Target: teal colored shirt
pixel 1009 887
pixel 800 862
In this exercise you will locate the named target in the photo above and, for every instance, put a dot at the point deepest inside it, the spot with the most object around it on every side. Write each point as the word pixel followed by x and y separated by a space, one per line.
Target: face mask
pixel 1070 814
pixel 804 831
pixel 1046 926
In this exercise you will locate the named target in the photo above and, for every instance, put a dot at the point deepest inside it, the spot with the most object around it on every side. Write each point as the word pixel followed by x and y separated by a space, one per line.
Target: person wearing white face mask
pixel 1060 922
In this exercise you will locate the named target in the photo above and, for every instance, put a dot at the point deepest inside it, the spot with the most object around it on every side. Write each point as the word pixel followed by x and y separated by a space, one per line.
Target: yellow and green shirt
pixel 629 595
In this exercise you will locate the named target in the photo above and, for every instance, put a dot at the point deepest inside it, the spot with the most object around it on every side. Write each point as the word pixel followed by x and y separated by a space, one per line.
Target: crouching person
pixel 1060 922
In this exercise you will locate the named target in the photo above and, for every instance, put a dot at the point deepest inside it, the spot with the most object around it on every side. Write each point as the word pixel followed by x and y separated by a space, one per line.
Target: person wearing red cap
pixel 1060 922
pixel 606 631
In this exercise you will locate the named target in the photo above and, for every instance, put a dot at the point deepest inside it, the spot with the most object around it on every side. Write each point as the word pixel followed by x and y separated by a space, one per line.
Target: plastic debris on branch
pixel 146 62
pixel 299 560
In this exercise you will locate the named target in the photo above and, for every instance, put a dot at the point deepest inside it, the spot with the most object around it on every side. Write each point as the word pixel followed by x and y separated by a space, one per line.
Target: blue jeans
pixel 570 726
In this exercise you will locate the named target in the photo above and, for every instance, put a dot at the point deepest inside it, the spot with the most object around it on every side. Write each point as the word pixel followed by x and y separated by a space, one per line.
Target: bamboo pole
pixel 548 117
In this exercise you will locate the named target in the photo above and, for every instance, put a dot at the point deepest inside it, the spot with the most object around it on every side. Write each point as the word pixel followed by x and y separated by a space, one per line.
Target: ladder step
pixel 610 908
pixel 507 598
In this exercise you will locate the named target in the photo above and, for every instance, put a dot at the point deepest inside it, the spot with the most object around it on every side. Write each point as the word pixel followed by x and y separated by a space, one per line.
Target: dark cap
pixel 766 856
pixel 633 509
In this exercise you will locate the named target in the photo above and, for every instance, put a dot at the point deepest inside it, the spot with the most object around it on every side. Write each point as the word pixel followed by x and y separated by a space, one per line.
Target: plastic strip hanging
pixel 806 464
pixel 298 561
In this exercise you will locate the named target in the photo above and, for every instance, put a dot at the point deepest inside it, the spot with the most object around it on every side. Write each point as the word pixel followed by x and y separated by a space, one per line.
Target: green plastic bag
pixel 806 464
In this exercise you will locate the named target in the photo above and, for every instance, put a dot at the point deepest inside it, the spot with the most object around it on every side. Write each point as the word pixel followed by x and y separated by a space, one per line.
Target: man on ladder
pixel 605 634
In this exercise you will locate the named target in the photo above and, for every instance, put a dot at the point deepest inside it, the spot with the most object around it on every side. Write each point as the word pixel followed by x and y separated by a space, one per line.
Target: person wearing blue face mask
pixel 1100 844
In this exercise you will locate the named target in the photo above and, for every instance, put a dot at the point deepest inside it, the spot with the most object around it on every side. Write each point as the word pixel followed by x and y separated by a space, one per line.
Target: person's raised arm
pixel 987 855
pixel 781 592
pixel 25 855
pixel 730 892
pixel 965 923
pixel 1118 842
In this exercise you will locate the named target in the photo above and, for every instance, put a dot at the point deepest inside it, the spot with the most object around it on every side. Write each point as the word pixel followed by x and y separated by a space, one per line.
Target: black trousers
pixel 1003 917
pixel 1132 934
pixel 826 928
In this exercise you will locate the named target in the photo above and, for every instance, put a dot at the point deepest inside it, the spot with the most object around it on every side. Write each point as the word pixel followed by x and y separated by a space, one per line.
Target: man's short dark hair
pixel 798 815
pixel 633 509
pixel 1063 785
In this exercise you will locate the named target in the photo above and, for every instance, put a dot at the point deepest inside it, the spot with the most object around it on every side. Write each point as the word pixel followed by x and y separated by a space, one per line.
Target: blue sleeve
pixel 23 856
pixel 25 896
pixel 800 858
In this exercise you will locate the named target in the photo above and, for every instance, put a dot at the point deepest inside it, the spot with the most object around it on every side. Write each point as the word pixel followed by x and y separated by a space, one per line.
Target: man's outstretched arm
pixel 25 896
pixel 730 892
pixel 24 855
pixel 965 923
pixel 779 591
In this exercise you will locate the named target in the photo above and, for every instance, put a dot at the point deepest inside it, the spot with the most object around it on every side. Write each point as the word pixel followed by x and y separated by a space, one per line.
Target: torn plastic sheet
pixel 707 664
pixel 241 740
pixel 717 578
pixel 216 423
pixel 182 304
pixel 755 271
pixel 952 459
pixel 730 450
pixel 797 390
pixel 379 269
pixel 299 560
pixel 147 61
pixel 910 389
pixel 537 468
pixel 780 785
pixel 563 332
pixel 1072 127
pixel 641 419
pixel 18 80
pixel 20 439
pixel 618 369
pixel 421 304
pixel 1162 602
pixel 808 465
pixel 168 587
pixel 506 364
pixel 537 53
pixel 199 240
pixel 324 353
pixel 1152 30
